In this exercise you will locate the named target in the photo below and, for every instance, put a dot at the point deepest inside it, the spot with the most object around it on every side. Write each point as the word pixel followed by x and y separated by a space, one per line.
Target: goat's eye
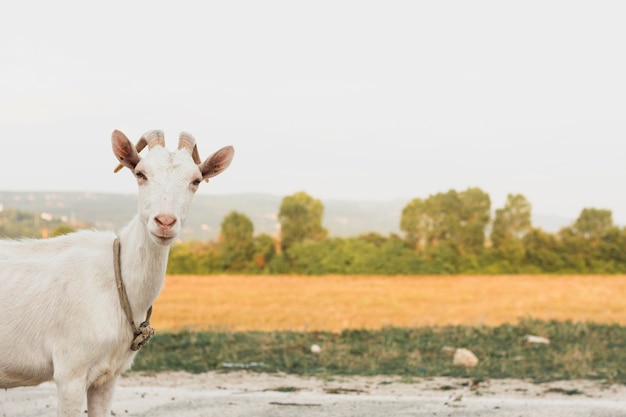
pixel 141 175
pixel 196 182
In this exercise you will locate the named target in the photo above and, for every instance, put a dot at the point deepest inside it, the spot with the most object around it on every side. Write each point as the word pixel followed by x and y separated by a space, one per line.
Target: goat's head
pixel 167 180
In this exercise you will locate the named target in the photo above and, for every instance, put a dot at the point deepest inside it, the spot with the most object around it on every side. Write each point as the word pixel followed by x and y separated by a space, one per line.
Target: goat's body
pixel 79 279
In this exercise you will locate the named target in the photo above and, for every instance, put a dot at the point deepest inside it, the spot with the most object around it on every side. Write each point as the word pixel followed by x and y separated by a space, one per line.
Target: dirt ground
pixel 241 393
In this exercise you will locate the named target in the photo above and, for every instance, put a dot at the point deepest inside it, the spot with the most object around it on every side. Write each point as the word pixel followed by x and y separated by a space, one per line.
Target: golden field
pixel 268 302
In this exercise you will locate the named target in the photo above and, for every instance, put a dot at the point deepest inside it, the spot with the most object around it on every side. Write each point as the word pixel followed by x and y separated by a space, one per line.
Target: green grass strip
pixel 576 350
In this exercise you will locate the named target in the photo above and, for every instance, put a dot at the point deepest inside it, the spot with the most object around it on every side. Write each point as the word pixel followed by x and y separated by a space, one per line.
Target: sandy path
pixel 176 394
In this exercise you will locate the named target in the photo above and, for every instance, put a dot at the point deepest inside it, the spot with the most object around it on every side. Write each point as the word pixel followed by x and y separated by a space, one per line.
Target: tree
pixel 542 252
pixel 264 250
pixel 415 223
pixel 376 239
pixel 510 225
pixel 194 257
pixel 474 217
pixel 593 223
pixel 612 251
pixel 575 251
pixel 237 241
pixel 459 219
pixel 431 221
pixel 300 218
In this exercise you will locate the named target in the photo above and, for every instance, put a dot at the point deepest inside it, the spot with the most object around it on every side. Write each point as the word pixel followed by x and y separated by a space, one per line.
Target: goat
pixel 61 313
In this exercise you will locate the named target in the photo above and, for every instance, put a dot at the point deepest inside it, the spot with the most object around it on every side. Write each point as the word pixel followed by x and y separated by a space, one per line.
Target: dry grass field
pixel 333 303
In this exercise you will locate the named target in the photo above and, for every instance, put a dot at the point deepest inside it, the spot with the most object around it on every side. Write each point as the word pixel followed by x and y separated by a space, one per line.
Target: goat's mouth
pixel 163 239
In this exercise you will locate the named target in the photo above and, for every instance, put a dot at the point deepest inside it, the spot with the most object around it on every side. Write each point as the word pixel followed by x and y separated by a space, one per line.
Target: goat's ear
pixel 217 162
pixel 124 151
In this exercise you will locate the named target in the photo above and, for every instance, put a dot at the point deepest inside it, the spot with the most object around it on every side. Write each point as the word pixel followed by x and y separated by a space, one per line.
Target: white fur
pixel 60 309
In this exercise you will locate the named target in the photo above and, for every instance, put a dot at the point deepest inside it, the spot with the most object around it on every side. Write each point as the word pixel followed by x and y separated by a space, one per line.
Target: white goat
pixel 61 317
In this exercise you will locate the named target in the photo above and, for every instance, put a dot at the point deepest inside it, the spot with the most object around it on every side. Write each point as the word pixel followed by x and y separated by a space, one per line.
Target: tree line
pixel 446 233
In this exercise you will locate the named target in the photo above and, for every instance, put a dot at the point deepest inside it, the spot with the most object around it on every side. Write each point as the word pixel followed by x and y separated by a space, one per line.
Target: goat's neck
pixel 143 265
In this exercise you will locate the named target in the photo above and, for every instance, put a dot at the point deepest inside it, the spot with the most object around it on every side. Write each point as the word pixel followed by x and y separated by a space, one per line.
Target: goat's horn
pixel 141 143
pixel 153 138
pixel 187 141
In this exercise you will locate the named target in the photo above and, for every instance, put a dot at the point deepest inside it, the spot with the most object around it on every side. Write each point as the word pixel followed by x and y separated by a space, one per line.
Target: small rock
pixel 536 340
pixel 464 357
pixel 315 349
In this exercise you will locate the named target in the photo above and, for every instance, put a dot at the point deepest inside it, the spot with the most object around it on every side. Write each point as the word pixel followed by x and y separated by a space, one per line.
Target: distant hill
pixel 342 218
pixel 113 211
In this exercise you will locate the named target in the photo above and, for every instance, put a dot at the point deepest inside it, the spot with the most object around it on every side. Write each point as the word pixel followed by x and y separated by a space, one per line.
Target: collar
pixel 144 332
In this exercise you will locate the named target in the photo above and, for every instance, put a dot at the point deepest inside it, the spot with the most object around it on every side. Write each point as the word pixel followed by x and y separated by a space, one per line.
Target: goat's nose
pixel 165 221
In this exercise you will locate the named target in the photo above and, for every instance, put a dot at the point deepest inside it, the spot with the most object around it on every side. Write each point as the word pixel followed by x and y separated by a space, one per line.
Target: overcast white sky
pixel 367 100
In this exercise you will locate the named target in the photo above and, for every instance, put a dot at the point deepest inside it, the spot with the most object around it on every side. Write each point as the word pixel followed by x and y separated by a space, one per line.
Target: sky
pixel 353 100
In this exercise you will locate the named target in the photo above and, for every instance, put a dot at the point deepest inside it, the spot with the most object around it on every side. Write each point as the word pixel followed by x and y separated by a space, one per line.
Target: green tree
pixel 393 256
pixel 194 257
pixel 300 218
pixel 415 222
pixel 510 225
pixel 593 223
pixel 612 251
pixel 542 252
pixel 584 243
pixel 429 222
pixel 475 206
pixel 237 234
pixel 575 251
pixel 264 251
pixel 459 219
